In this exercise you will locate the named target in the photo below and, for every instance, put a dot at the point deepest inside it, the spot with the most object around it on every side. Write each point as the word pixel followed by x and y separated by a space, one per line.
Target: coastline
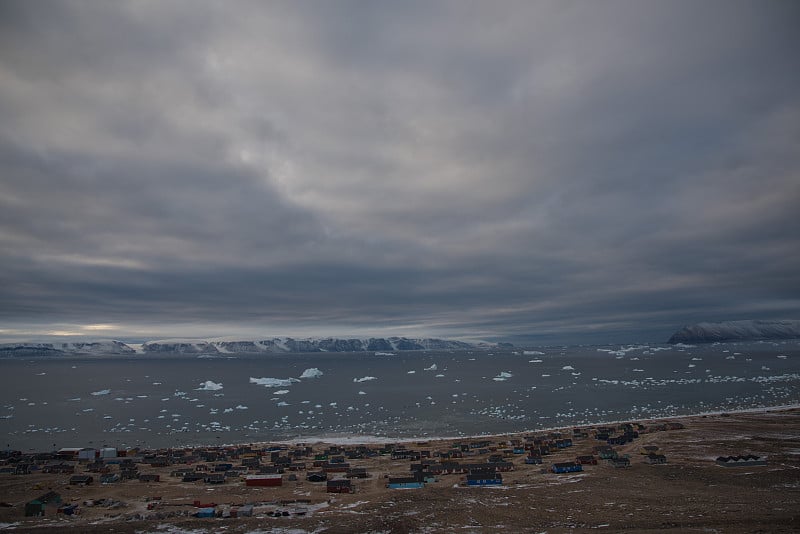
pixel 689 492
pixel 368 439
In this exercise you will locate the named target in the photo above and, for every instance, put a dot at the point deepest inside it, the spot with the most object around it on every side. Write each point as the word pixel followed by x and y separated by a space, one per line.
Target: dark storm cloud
pixel 524 169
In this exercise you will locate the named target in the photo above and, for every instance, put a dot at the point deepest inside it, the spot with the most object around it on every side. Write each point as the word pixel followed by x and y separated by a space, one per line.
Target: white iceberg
pixel 273 382
pixel 431 368
pixel 209 385
pixel 365 379
pixel 311 372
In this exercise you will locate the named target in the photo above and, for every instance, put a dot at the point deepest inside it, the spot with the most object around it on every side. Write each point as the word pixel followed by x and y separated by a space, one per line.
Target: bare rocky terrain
pixel 690 493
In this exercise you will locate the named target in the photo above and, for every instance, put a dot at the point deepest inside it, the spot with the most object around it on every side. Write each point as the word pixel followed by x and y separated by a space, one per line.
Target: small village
pixel 174 482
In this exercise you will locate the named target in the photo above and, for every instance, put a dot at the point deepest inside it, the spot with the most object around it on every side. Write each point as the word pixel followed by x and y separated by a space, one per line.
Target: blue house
pixel 405 483
pixel 485 479
pixel 566 467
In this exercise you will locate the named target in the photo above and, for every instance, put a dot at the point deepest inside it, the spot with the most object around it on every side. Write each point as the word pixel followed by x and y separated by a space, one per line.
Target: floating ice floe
pixel 431 368
pixel 567 368
pixel 411 372
pixel 365 379
pixel 208 385
pixel 532 353
pixel 439 376
pixel 781 356
pixel 534 361
pixel 311 372
pixel 503 376
pixel 241 407
pixel 268 382
pixel 362 392
pixel 281 392
pixel 384 354
pixel 101 392
pixel 227 410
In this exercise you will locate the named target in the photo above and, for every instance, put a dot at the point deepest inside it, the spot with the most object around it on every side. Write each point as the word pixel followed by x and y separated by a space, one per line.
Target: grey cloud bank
pixel 541 171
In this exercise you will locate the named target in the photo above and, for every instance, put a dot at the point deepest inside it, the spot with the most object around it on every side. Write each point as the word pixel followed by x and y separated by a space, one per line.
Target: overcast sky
pixel 546 171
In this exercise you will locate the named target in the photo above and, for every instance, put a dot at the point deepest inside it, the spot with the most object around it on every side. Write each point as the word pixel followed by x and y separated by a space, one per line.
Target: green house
pixel 34 508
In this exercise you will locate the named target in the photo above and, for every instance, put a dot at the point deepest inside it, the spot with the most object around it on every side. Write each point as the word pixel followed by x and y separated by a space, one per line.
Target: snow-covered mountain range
pixel 40 349
pixel 737 331
pixel 277 345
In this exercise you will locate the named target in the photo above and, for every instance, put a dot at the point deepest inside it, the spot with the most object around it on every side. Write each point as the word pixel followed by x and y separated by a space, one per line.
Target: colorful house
pixel 566 467
pixel 485 479
pixel 339 486
pixel 405 483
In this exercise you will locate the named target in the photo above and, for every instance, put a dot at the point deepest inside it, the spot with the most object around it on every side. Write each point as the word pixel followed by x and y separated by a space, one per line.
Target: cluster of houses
pixel 476 463
pixel 747 460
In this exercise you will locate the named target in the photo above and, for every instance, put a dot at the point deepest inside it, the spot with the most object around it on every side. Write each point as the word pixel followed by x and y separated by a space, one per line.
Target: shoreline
pixel 687 491
pixel 369 439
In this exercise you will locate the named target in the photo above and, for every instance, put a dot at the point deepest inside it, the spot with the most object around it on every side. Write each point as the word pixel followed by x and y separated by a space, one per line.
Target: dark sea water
pixel 186 400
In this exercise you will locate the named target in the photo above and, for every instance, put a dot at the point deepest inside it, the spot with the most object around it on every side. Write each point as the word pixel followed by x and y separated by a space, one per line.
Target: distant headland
pixel 737 331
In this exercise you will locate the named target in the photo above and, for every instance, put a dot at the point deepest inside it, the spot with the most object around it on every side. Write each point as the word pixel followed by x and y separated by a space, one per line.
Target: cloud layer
pixel 458 169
